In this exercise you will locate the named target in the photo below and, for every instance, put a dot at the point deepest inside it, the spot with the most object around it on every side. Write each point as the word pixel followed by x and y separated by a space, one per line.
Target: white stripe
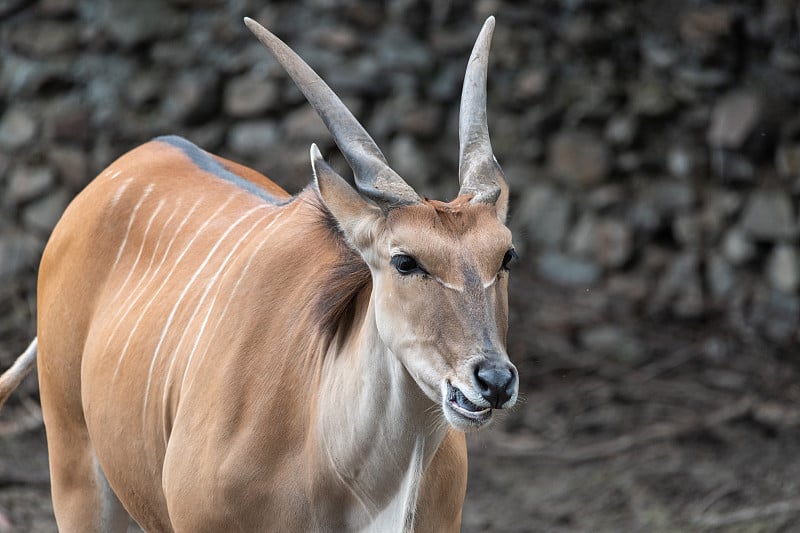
pixel 171 316
pixel 135 294
pixel 163 283
pixel 147 191
pixel 141 250
pixel 262 241
pixel 210 307
pixel 119 192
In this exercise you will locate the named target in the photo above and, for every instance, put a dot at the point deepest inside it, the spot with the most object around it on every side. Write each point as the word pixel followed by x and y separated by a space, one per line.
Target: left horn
pixel 373 176
pixel 478 171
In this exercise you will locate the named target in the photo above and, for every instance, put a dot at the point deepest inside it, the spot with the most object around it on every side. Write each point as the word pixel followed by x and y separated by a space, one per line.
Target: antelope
pixel 215 354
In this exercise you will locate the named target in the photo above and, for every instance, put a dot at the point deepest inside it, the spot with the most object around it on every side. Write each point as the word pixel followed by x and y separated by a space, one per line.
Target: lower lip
pixel 475 416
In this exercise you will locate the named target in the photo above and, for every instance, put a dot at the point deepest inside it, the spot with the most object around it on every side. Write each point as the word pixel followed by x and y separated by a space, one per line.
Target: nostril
pixel 494 382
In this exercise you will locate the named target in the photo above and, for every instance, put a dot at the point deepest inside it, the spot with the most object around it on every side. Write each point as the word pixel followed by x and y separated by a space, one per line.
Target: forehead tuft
pixel 454 218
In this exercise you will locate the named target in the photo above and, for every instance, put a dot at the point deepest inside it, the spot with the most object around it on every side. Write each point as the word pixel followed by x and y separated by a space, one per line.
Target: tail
pixel 12 377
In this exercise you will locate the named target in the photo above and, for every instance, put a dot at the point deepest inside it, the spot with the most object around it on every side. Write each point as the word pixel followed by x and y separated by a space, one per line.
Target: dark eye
pixel 405 264
pixel 510 256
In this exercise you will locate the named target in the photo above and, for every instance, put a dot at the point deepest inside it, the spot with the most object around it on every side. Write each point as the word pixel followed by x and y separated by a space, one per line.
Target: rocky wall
pixel 653 148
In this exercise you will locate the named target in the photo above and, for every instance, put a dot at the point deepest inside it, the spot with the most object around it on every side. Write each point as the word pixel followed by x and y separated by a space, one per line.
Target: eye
pixel 405 264
pixel 510 256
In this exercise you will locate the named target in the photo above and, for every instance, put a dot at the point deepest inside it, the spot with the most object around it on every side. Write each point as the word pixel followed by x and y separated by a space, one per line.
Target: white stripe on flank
pixel 141 250
pixel 163 284
pixel 171 316
pixel 119 192
pixel 263 239
pixel 138 205
pixel 137 292
pixel 211 306
pixel 115 174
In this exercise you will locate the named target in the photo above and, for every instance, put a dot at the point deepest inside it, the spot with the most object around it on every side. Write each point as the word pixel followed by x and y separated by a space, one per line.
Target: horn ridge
pixel 373 176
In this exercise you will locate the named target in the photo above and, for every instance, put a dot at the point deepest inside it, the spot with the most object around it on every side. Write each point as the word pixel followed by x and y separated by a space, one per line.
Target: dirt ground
pixel 698 432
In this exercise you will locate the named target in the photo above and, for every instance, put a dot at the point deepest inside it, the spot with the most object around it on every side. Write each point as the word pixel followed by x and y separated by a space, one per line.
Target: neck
pixel 378 430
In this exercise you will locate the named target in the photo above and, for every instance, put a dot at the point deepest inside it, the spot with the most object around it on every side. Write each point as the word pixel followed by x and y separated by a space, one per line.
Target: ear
pixel 356 216
pixel 501 204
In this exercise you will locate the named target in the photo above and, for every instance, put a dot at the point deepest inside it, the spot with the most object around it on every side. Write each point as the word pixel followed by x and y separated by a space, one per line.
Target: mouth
pixel 463 407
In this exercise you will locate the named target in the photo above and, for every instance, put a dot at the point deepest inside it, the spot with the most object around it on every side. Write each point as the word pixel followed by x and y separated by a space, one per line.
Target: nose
pixel 496 381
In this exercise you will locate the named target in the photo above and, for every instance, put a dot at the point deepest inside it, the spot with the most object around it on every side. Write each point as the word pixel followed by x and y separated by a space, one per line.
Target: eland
pixel 215 354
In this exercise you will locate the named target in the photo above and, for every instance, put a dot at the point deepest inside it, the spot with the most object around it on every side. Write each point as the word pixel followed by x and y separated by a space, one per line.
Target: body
pixel 215 354
pixel 190 445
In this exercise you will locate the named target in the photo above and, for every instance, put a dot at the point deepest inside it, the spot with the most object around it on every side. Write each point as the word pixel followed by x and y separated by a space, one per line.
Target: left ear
pixel 356 216
pixel 501 204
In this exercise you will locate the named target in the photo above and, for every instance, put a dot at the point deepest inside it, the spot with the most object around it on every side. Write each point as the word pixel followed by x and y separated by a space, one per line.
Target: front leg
pixel 444 486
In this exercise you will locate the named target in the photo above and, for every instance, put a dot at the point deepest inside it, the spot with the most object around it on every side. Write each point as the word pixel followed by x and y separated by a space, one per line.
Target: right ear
pixel 356 216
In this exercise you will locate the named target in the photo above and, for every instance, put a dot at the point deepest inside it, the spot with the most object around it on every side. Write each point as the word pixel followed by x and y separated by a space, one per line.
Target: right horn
pixel 374 178
pixel 478 171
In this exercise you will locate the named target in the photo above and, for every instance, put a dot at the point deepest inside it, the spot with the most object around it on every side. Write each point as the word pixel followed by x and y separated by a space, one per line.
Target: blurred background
pixel 653 153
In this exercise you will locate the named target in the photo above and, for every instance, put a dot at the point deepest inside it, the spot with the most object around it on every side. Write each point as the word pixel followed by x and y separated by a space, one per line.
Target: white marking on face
pixel 449 285
pixel 183 294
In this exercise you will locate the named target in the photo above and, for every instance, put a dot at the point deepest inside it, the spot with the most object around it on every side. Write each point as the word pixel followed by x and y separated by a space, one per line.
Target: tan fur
pixel 238 445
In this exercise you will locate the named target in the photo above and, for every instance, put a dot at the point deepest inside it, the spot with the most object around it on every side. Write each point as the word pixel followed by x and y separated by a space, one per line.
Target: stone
pixel 251 137
pixel 614 342
pixel 27 183
pixel 531 83
pixel 247 96
pixel 42 215
pixel 783 268
pixel 69 123
pixel 578 158
pixel 192 98
pixel 651 98
pixel 667 196
pixel 17 129
pixel 409 161
pixel 768 215
pixel 787 160
pixel 566 270
pixel 45 38
pixel 544 213
pixel 687 230
pixel 680 288
pixel 701 26
pixel 684 162
pixel 72 165
pixel 607 241
pixel 720 276
pixel 422 120
pixel 57 8
pixel 305 125
pixel 621 130
pixel 737 247
pixel 18 251
pixel 130 24
pixel 733 119
pixel 776 314
pixel 613 243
